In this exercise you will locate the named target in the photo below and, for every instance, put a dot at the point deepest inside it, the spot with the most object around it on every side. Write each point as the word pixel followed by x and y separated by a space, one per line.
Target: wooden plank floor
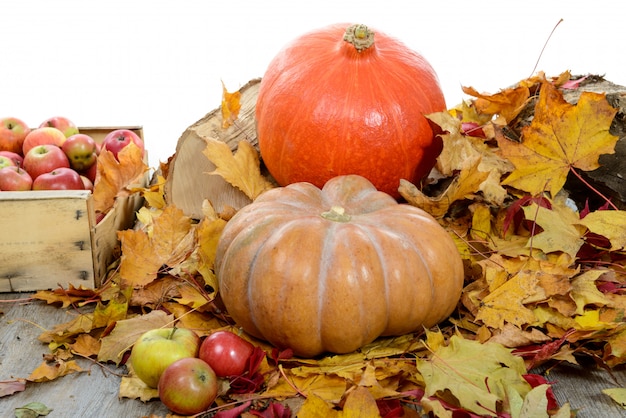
pixel 96 394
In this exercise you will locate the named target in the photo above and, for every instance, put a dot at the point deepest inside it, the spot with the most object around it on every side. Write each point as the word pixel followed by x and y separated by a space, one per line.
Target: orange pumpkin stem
pixel 359 36
pixel 336 214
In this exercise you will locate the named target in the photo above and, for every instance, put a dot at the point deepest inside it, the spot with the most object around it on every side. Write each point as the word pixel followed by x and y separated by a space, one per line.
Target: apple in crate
pixel 62 178
pixel 62 123
pixel 88 184
pixel 116 140
pixel 13 131
pixel 81 150
pixel 90 172
pixel 14 178
pixel 41 136
pixel 6 162
pixel 18 159
pixel 43 159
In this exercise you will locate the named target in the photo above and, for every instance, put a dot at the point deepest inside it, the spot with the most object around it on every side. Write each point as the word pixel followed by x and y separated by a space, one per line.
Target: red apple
pixel 6 162
pixel 62 178
pixel 43 159
pixel 90 172
pixel 188 386
pixel 81 150
pixel 158 348
pixel 62 123
pixel 87 183
pixel 12 134
pixel 15 178
pixel 40 136
pixel 17 158
pixel 120 138
pixel 226 353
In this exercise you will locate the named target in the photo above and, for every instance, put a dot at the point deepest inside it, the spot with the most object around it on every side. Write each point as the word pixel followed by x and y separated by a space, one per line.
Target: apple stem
pixel 172 333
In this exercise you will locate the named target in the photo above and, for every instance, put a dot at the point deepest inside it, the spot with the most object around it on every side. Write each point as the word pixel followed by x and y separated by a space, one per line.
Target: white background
pixel 160 63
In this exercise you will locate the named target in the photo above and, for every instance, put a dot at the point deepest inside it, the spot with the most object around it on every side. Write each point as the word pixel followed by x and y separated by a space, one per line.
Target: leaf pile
pixel 545 275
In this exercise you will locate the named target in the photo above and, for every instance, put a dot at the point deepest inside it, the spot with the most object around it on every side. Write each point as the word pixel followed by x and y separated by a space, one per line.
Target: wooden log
pixel 610 177
pixel 188 183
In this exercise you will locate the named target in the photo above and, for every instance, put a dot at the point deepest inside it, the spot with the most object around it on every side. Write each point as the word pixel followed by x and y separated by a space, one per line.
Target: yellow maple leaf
pixel 133 387
pixel 463 186
pixel 359 403
pixel 477 376
pixel 230 106
pixel 611 224
pixel 559 228
pixel 209 231
pixel 155 194
pixel 242 170
pixel 113 176
pixel 560 138
pixel 506 303
pixel 585 292
pixel 316 407
pixel 617 394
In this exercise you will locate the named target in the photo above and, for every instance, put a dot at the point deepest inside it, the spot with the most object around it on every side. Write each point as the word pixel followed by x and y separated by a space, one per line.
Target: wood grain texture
pixel 188 183
pixel 88 394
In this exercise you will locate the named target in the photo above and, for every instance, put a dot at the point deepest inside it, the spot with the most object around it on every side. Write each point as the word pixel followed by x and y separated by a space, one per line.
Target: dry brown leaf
pixel 126 332
pixel 86 345
pixel 48 371
pixel 114 176
pixel 464 186
pixel 171 240
pixel 507 103
pixel 133 387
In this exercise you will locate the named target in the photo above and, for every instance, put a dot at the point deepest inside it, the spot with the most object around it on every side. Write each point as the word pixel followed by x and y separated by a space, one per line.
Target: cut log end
pixel 189 183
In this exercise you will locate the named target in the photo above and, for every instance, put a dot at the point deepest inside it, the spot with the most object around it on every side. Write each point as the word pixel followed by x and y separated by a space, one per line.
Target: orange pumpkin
pixel 331 270
pixel 348 101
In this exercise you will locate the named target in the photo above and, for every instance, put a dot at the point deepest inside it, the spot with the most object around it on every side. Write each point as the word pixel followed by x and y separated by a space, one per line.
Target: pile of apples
pixel 186 369
pixel 53 156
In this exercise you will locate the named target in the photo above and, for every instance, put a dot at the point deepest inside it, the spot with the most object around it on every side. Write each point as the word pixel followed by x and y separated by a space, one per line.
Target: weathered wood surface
pixel 95 394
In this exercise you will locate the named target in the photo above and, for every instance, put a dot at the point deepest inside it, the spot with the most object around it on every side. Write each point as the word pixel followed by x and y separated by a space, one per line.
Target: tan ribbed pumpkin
pixel 331 270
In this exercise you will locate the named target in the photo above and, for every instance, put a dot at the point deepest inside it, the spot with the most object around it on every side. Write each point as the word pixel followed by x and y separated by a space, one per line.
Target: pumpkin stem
pixel 360 36
pixel 337 214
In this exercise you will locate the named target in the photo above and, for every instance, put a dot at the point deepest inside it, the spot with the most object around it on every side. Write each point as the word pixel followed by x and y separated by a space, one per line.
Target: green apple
pixel 158 348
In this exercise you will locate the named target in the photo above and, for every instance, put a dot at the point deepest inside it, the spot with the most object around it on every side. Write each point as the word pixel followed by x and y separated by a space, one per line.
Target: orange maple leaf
pixel 169 242
pixel 560 138
pixel 507 103
pixel 114 176
pixel 230 106
pixel 50 371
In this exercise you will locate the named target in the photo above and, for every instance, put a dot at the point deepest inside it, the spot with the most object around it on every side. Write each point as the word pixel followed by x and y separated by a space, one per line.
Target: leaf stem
pixel 596 191
pixel 289 382
pixel 544 47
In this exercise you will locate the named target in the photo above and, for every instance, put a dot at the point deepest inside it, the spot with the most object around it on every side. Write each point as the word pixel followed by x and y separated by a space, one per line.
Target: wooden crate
pixel 50 238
